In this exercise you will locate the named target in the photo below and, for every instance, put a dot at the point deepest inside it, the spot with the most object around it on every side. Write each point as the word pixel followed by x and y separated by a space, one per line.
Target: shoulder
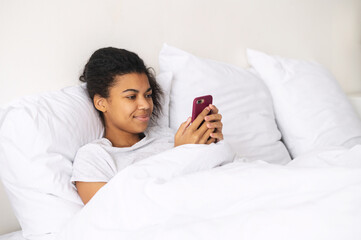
pixel 98 149
pixel 96 145
pixel 93 162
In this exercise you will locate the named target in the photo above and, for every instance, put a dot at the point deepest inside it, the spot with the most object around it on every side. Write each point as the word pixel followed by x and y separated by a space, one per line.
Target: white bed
pixel 17 235
pixel 48 43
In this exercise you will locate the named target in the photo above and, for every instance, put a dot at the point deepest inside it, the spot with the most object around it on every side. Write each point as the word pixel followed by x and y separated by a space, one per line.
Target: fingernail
pixel 208 109
pixel 206 118
pixel 209 125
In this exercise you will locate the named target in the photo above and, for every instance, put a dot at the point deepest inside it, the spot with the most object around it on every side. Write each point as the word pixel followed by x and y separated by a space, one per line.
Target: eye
pixel 131 97
pixel 149 95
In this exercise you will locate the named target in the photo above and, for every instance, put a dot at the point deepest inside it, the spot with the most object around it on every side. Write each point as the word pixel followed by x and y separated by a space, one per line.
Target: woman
pixel 125 93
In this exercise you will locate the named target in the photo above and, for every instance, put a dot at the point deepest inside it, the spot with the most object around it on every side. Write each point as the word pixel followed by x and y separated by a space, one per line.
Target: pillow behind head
pixel 242 99
pixel 311 109
pixel 39 137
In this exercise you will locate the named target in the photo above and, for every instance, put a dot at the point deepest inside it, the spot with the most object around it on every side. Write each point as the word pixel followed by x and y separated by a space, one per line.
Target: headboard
pixel 44 45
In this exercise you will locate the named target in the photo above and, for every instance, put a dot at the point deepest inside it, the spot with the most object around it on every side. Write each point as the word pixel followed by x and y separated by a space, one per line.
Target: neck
pixel 121 139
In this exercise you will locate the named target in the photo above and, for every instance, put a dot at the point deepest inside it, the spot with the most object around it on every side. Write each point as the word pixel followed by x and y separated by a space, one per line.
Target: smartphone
pixel 200 103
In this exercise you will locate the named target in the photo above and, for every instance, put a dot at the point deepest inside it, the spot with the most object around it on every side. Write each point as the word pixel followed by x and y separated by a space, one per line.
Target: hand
pixel 213 121
pixel 195 133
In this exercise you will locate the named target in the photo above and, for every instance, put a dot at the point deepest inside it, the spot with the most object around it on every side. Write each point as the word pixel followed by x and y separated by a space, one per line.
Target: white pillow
pixel 241 97
pixel 311 109
pixel 39 136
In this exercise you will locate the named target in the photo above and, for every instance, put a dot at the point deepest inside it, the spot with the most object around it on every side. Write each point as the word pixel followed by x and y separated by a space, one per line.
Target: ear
pixel 100 103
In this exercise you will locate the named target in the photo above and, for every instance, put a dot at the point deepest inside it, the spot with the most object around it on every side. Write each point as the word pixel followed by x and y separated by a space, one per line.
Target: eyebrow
pixel 135 90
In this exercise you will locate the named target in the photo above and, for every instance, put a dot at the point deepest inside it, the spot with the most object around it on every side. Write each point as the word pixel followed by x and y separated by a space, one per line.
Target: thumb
pixel 184 126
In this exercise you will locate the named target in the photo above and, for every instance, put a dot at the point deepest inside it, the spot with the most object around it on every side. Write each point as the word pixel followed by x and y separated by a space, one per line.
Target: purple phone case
pixel 199 103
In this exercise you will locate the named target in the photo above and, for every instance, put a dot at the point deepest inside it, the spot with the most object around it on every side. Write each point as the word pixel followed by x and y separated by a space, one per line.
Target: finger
pixel 199 119
pixel 211 140
pixel 183 126
pixel 213 117
pixel 206 135
pixel 217 135
pixel 201 131
pixel 217 125
pixel 213 108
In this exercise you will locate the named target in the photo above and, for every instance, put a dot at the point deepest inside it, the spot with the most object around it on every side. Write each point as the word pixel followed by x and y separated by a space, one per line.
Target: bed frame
pixel 42 49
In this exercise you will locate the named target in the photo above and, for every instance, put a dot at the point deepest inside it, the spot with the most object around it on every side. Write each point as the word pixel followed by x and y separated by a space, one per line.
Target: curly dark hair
pixel 106 63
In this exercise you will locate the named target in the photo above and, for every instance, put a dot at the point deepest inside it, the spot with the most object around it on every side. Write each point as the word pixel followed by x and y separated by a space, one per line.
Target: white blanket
pixel 205 192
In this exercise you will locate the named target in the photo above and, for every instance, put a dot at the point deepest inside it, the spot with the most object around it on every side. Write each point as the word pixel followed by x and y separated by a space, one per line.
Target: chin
pixel 141 129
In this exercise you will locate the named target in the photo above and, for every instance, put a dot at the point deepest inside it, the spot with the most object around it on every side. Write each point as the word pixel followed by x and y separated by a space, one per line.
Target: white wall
pixel 45 43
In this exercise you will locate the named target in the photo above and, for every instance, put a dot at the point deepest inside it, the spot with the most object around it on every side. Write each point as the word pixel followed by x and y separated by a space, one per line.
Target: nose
pixel 143 103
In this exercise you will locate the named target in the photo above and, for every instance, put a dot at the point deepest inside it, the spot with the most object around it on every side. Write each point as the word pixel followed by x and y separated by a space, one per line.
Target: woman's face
pixel 129 106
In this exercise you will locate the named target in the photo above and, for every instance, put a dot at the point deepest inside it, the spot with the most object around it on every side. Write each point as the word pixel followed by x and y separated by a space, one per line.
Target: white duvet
pixel 205 192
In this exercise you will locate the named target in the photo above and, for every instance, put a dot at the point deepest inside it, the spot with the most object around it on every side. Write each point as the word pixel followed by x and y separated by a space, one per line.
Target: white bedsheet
pixel 181 194
pixel 18 235
pixel 12 236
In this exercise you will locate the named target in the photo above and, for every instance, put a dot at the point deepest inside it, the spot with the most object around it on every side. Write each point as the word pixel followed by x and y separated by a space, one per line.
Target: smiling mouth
pixel 142 118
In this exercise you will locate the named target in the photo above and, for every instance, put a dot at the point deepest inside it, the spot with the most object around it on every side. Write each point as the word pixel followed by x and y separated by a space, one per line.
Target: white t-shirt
pixel 99 161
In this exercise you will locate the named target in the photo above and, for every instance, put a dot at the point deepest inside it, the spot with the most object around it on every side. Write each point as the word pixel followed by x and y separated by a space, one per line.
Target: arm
pixel 87 190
